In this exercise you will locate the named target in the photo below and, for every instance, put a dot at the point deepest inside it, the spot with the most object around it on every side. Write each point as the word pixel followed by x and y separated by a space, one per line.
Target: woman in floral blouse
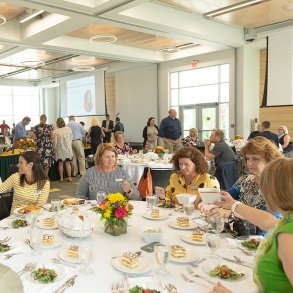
pixel 121 146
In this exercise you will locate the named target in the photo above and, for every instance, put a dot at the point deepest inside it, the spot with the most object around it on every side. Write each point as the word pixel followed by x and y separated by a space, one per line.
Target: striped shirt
pixel 27 194
pixel 95 181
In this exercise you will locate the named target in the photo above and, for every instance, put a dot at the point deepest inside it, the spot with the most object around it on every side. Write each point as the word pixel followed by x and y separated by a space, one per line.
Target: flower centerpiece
pixel 114 210
pixel 159 151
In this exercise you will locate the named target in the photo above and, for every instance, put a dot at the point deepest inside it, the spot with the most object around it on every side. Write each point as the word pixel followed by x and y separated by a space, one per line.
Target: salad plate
pixel 45 274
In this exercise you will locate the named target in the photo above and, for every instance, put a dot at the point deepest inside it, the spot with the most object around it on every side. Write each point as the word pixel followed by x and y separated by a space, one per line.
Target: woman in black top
pixel 95 133
pixel 284 140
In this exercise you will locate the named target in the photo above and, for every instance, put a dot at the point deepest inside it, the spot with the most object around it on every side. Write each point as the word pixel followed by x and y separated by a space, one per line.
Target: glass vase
pixel 116 228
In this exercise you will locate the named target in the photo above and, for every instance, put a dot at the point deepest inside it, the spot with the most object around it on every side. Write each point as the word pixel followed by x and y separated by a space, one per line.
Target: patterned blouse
pixel 127 149
pixel 189 141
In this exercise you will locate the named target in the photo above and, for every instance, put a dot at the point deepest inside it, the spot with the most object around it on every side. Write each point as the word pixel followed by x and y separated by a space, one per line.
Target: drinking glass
pixel 100 196
pixel 213 240
pixel 162 257
pixel 55 205
pixel 86 255
pixel 35 237
pixel 188 209
pixel 217 223
pixel 151 201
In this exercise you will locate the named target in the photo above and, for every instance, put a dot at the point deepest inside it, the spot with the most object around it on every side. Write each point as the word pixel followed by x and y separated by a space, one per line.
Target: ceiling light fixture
pixel 83 68
pixel 32 63
pixel 29 14
pixel 168 50
pixel 103 39
pixel 234 7
pixel 2 19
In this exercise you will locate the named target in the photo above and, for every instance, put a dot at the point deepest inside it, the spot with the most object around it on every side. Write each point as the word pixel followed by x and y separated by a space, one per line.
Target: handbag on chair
pixel 145 185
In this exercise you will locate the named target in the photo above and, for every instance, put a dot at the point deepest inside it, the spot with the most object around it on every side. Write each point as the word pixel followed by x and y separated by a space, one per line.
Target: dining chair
pixel 161 177
pixel 6 199
pixel 227 174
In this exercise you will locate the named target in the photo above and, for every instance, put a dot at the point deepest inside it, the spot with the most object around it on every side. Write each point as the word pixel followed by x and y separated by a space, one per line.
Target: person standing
pixel 284 140
pixel 265 132
pixel 4 127
pixel 95 133
pixel 170 131
pixel 118 126
pixel 108 126
pixel 43 133
pixel 78 132
pixel 150 134
pixel 20 131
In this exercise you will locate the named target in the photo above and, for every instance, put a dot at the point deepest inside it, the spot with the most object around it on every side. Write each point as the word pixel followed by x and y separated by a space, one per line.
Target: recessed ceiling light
pixel 2 19
pixel 32 63
pixel 102 39
pixel 83 68
pixel 168 50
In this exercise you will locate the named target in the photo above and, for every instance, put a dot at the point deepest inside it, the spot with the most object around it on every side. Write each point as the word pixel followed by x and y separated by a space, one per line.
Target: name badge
pixel 194 187
pixel 36 192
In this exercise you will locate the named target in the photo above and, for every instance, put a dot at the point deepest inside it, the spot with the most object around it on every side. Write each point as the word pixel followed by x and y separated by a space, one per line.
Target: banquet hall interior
pixel 224 64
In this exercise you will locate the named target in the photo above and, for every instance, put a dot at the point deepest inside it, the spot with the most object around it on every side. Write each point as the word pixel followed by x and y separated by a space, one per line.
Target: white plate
pixel 40 223
pixel 57 242
pixel 59 270
pixel 210 265
pixel 143 266
pixel 16 212
pixel 188 239
pixel 191 226
pixel 144 282
pixel 73 199
pixel 190 256
pixel 63 255
pixel 162 216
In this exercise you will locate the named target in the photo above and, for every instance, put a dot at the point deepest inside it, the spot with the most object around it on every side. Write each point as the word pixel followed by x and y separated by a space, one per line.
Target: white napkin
pixel 233 243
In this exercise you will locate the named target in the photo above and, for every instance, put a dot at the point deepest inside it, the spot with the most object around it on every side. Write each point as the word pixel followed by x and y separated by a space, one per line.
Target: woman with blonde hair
pixel 273 265
pixel 95 133
pixel 191 139
pixel 106 176
pixel 284 140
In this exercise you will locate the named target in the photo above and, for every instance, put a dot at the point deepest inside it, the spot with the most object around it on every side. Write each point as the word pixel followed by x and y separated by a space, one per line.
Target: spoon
pixel 28 242
pixel 197 262
pixel 58 261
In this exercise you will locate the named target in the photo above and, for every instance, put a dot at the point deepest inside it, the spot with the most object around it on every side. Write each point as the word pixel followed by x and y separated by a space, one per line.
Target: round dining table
pixel 106 248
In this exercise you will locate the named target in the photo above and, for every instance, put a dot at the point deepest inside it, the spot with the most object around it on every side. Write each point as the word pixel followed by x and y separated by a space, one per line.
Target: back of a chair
pixel 6 199
pixel 161 177
pixel 227 174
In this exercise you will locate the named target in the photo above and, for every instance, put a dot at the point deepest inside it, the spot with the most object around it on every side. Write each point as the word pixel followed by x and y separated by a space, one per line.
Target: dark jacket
pixel 145 135
pixel 271 136
pixel 111 124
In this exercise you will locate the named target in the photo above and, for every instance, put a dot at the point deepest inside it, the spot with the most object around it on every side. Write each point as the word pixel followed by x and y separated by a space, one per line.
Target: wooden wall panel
pixel 110 96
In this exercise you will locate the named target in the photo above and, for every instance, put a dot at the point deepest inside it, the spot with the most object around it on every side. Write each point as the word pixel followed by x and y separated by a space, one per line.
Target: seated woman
pixel 191 173
pixel 273 267
pixel 30 184
pixel 106 176
pixel 257 154
pixel 284 140
pixel 121 146
pixel 191 139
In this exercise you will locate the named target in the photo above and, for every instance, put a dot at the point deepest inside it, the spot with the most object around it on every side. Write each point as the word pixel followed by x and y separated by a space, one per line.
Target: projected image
pixel 88 103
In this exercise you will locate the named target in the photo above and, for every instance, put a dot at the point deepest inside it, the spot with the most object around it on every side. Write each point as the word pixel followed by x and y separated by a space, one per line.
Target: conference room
pixel 220 64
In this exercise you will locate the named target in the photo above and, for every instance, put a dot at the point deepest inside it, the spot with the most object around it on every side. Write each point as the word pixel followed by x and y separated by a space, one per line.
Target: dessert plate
pixel 57 242
pixel 40 224
pixel 148 216
pixel 173 224
pixel 190 256
pixel 188 239
pixel 142 268
pixel 63 255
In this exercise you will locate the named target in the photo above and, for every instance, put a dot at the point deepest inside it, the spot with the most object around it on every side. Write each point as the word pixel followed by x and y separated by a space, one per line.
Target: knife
pixel 69 283
pixel 236 262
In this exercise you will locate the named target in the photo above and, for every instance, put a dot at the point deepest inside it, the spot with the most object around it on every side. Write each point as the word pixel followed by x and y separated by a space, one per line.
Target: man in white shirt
pixel 78 132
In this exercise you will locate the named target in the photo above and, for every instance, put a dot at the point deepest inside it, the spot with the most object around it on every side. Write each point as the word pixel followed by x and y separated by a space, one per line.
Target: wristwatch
pixel 234 206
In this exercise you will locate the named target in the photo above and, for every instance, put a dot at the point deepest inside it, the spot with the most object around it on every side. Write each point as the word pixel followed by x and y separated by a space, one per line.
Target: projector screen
pixel 83 96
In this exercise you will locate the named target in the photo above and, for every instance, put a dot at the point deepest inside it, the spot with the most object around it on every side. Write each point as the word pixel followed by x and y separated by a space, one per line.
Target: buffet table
pixel 107 246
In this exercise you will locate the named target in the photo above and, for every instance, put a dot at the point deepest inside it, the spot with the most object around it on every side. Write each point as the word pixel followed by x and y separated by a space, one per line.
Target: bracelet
pixel 234 206
pixel 129 191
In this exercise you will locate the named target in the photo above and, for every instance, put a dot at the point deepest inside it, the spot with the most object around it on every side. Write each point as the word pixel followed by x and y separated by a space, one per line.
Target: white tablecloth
pixel 106 246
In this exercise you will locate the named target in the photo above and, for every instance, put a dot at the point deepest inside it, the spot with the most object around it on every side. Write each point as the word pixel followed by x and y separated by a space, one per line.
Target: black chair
pixel 227 174
pixel 161 177
pixel 6 199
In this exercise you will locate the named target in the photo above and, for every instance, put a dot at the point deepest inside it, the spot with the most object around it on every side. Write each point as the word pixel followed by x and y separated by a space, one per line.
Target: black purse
pixel 6 199
pixel 238 227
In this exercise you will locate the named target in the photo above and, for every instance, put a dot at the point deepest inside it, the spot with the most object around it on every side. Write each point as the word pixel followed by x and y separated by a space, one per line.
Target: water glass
pixel 213 240
pixel 86 255
pixel 162 257
pixel 151 201
pixel 217 223
pixel 100 196
pixel 35 237
pixel 55 205
pixel 188 209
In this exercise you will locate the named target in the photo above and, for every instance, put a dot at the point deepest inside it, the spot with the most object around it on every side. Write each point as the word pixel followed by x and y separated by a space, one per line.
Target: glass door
pixel 204 117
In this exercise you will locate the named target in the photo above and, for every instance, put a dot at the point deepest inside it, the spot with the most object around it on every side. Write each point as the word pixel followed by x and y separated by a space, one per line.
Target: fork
pixel 7 256
pixel 27 268
pixel 28 242
pixel 6 239
pixel 197 262
pixel 194 274
pixel 187 279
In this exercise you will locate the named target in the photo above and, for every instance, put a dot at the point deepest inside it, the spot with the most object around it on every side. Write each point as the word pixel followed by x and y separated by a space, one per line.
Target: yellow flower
pixel 114 197
pixel 107 214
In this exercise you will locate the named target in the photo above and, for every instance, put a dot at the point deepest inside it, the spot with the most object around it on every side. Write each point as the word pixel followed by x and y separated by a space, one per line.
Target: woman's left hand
pixel 126 186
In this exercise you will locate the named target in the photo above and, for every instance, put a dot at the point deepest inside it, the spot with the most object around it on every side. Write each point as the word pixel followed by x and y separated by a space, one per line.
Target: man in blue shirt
pixel 170 131
pixel 78 132
pixel 20 131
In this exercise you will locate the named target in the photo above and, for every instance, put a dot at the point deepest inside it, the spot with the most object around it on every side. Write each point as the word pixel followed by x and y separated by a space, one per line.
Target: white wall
pixel 136 99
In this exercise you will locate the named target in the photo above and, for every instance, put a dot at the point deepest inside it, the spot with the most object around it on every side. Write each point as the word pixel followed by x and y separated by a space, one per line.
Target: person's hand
pixel 207 142
pixel 126 186
pixel 219 288
pixel 210 210
pixel 160 192
pixel 226 201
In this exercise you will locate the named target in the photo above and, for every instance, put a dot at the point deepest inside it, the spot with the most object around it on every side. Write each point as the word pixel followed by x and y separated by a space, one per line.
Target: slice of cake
pixel 178 251
pixel 130 259
pixel 198 235
pixel 48 239
pixel 182 221
pixel 49 222
pixel 155 213
pixel 73 251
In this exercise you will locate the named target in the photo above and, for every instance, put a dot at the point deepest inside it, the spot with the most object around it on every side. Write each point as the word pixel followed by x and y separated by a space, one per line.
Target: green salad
pixel 138 289
pixel 251 243
pixel 166 205
pixel 4 247
pixel 224 272
pixel 17 223
pixel 44 275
